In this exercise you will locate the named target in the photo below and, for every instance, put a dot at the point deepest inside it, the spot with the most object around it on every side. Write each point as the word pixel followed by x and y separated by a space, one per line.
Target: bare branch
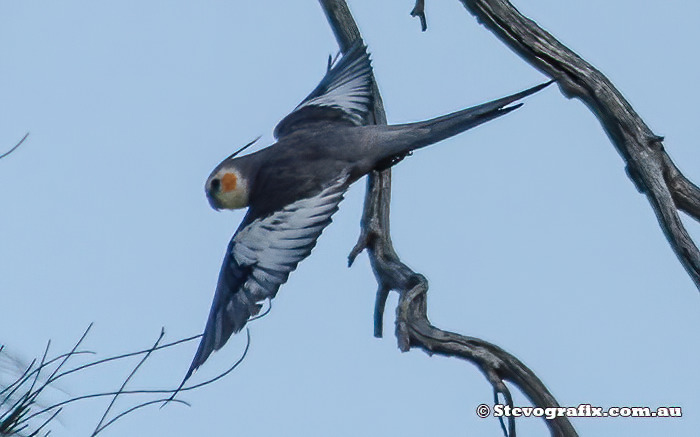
pixel 16 146
pixel 419 11
pixel 685 193
pixel 99 426
pixel 119 357
pixel 16 416
pixel 648 165
pixel 413 329
pixel 132 409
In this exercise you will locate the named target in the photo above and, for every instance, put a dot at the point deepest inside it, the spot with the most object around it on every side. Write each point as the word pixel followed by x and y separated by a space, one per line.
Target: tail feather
pixel 408 137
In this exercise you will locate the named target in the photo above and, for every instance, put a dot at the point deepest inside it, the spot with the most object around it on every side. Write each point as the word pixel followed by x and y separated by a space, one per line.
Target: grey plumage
pixel 293 187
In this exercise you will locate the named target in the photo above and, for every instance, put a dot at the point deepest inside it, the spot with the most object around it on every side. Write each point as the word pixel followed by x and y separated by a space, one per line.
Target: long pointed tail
pixel 416 135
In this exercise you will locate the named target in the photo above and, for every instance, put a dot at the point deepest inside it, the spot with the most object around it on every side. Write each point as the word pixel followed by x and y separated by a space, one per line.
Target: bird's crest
pixel 234 154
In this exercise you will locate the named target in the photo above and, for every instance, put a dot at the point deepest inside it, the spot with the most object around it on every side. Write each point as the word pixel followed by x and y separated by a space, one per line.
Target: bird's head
pixel 228 186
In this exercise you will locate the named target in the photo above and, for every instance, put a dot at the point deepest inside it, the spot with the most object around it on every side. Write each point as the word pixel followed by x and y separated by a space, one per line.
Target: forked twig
pixel 419 11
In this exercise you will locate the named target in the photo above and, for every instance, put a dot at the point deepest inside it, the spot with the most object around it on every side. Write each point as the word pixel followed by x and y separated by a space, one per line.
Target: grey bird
pixel 293 187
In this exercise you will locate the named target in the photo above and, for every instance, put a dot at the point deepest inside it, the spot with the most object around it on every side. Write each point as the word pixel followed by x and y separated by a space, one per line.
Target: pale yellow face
pixel 226 189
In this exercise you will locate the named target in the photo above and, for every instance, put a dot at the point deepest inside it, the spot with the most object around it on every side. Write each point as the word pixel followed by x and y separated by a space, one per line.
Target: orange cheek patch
pixel 228 182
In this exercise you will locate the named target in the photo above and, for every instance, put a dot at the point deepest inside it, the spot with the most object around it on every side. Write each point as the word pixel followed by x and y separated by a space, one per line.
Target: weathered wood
pixel 650 168
pixel 413 329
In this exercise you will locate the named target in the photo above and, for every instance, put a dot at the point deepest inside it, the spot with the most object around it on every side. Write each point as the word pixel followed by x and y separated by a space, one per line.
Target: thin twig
pixel 155 391
pixel 30 370
pixel 126 381
pixel 32 383
pixel 127 355
pixel 19 381
pixel 46 422
pixel 132 409
pixel 16 146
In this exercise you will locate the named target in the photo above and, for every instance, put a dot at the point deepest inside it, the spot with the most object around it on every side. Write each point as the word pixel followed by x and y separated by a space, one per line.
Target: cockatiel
pixel 293 187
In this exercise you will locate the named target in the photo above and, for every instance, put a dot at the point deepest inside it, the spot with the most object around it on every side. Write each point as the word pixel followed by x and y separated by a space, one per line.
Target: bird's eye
pixel 215 184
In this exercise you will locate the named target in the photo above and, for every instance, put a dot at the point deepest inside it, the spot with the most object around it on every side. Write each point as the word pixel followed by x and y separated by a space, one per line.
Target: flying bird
pixel 293 187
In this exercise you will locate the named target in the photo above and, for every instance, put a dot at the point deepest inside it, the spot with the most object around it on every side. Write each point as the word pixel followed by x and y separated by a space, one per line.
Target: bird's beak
pixel 213 200
pixel 225 190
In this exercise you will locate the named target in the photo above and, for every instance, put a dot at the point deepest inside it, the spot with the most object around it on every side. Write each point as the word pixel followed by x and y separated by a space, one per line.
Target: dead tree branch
pixel 647 163
pixel 419 11
pixel 413 329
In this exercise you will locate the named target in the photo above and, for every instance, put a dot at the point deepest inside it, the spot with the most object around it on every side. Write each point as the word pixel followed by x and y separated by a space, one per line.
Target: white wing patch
pixel 349 91
pixel 345 93
pixel 274 245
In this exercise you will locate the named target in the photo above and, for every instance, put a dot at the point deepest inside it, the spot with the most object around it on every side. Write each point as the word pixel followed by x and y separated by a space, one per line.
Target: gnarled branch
pixel 413 329
pixel 650 168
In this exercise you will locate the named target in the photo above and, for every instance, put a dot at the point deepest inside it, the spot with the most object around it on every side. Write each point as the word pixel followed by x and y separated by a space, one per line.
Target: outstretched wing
pixel 344 95
pixel 259 259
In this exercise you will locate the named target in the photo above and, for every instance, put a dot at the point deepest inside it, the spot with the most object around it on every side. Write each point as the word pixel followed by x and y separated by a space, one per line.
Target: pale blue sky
pixel 529 231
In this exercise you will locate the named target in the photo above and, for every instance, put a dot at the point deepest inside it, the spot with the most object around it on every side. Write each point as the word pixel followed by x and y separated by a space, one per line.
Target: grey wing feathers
pixel 344 94
pixel 259 259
